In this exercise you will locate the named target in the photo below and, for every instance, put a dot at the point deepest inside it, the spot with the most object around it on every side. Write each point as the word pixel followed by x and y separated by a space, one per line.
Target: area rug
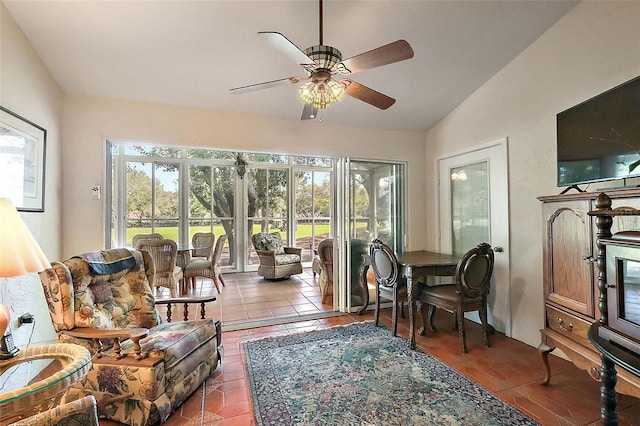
pixel 360 374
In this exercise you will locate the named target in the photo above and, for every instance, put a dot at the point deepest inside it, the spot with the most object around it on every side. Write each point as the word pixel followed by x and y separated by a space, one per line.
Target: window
pixel 180 191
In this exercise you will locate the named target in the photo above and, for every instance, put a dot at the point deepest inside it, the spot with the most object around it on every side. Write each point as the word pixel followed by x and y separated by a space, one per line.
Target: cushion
pixel 130 304
pixel 269 242
pixel 101 292
pixel 287 259
pixel 173 341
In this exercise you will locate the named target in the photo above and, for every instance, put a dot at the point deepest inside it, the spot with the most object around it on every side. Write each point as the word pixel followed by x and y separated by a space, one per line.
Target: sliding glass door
pixel 180 191
pixel 372 208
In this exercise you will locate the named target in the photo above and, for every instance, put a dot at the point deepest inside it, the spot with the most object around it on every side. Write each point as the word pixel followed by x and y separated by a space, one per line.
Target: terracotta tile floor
pixel 510 369
pixel 248 300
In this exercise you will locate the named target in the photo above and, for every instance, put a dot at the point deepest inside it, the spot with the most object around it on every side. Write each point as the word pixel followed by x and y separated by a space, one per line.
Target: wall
pixel 89 121
pixel 596 46
pixel 27 88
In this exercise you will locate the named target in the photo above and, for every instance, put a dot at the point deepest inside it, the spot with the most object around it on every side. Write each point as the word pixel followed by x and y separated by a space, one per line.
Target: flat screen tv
pixel 599 139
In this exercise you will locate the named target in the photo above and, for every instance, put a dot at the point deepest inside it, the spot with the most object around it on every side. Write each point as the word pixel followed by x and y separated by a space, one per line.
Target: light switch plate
pixel 95 191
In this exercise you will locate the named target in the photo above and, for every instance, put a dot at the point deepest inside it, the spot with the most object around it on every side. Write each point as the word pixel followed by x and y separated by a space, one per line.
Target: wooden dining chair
pixel 469 292
pixel 389 284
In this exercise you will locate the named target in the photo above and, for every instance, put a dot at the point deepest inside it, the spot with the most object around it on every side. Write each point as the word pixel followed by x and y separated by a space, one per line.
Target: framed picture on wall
pixel 22 161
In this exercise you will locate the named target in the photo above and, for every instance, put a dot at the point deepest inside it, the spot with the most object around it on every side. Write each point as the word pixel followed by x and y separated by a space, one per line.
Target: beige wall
pixel 89 121
pixel 596 46
pixel 27 88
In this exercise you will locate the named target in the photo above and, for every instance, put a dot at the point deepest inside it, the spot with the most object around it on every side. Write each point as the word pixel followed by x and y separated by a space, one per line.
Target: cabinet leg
pixel 544 352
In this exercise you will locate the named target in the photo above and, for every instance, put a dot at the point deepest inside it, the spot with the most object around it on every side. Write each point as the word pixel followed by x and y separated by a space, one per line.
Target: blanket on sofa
pixel 105 262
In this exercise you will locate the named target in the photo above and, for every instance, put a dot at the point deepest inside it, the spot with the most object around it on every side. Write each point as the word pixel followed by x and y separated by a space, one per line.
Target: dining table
pixel 416 266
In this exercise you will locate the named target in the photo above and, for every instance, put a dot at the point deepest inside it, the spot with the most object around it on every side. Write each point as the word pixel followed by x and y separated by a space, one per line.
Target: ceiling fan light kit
pixel 321 62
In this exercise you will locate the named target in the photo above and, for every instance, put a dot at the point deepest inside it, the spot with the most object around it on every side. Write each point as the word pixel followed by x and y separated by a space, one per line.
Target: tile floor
pixel 248 300
pixel 510 369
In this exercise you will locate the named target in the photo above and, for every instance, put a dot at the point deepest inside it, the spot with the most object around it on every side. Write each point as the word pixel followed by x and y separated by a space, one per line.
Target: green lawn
pixel 303 231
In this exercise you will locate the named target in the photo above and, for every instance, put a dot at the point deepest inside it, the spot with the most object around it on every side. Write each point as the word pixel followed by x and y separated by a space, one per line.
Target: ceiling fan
pixel 322 63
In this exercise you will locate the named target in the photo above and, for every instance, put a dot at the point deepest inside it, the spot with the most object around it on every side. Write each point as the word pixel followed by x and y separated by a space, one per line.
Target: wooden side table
pixel 57 367
pixel 611 355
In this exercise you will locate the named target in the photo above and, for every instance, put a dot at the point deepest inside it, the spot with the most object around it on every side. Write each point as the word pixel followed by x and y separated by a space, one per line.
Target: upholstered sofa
pixel 98 300
pixel 276 260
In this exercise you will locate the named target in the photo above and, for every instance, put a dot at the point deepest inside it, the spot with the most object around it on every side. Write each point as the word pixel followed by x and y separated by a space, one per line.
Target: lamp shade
pixel 20 254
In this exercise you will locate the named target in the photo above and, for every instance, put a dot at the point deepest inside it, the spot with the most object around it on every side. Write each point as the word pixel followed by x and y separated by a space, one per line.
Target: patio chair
pixel 276 260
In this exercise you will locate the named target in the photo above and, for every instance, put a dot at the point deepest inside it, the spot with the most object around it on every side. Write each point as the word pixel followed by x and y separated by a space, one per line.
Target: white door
pixel 474 208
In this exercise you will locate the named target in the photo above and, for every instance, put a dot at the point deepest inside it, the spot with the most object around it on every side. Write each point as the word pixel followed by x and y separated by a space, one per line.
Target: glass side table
pixel 38 376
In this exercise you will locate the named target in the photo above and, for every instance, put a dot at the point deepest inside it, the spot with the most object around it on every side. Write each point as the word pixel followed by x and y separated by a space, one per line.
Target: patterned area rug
pixel 360 375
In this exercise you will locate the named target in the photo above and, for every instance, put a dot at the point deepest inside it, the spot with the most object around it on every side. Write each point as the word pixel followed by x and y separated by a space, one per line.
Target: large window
pixel 180 191
pixel 313 209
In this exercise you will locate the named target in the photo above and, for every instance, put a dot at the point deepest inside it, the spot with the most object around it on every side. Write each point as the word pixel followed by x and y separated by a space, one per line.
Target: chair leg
pixel 461 330
pixel 221 280
pixel 377 314
pixel 215 282
pixel 394 316
pixel 485 326
pixel 432 310
pixel 421 317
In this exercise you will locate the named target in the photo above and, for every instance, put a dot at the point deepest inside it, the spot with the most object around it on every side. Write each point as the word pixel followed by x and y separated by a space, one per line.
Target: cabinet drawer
pixel 568 325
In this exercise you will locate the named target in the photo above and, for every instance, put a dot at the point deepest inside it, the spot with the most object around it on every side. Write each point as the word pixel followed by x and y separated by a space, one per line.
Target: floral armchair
pixel 143 369
pixel 276 260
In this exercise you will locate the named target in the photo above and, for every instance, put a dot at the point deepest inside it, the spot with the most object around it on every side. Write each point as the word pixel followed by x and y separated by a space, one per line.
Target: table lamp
pixel 20 254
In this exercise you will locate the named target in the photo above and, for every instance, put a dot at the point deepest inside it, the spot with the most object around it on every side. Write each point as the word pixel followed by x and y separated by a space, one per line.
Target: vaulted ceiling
pixel 191 53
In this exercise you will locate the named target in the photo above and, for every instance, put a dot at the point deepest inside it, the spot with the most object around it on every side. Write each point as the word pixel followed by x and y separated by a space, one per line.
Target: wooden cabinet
pixel 570 278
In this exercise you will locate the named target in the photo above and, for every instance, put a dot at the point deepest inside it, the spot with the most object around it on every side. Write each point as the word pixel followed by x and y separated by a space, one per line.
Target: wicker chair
pixel 202 243
pixel 276 261
pixel 325 254
pixel 208 268
pixel 164 253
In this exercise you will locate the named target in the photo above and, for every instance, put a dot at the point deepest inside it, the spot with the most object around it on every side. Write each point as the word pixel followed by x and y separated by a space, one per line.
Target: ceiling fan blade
pixel 267 84
pixel 383 55
pixel 309 112
pixel 367 95
pixel 285 46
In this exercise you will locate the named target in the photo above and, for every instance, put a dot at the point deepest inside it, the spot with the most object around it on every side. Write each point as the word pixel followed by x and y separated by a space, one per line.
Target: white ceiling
pixel 191 53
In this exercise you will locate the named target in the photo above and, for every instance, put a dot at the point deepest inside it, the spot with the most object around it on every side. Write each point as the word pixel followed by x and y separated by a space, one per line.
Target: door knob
pixel 498 249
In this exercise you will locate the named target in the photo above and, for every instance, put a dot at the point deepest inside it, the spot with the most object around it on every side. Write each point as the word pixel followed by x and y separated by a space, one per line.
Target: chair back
pixel 268 242
pixel 217 251
pixel 474 270
pixel 163 252
pixel 106 289
pixel 203 244
pixel 139 237
pixel 325 252
pixel 384 263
